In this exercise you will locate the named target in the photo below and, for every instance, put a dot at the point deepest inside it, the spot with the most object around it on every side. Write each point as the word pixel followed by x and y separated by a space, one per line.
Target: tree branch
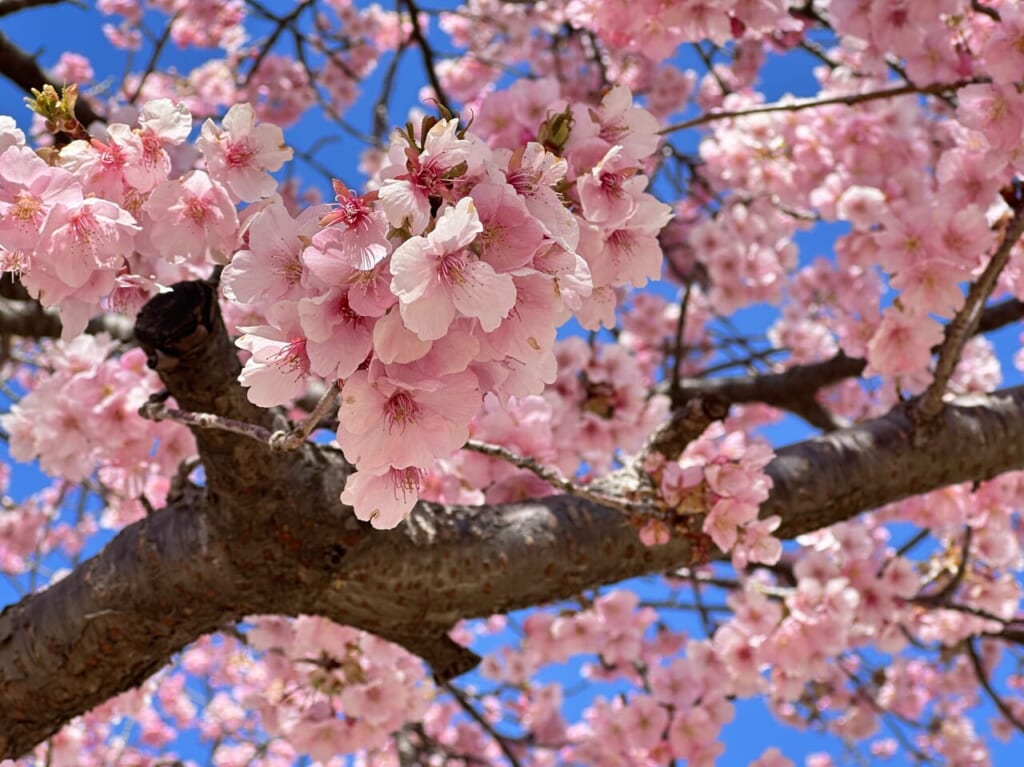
pixel 24 71
pixel 961 328
pixel 834 476
pixel 791 389
pixel 110 624
pixel 30 320
pixel 982 675
pixel 798 105
pixel 427 53
pixel 269 535
pixel 8 7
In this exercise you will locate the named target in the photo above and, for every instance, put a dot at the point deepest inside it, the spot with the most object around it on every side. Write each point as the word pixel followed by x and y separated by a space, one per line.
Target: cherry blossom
pixel 240 153
pixel 532 285
pixel 436 276
pixel 191 218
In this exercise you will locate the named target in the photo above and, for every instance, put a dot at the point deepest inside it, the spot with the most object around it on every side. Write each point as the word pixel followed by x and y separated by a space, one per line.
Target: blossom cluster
pixel 446 283
pixel 311 687
pixel 930 234
pixel 327 689
pixel 112 220
pixel 80 416
pixel 796 644
pixel 434 299
pixel 719 476
pixel 348 43
pixel 775 642
pixel 303 687
pixel 593 413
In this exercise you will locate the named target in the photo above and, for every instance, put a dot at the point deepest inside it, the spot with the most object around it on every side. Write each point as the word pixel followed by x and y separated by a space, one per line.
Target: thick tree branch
pixel 110 624
pixel 30 320
pixel 269 535
pixel 835 476
pixel 24 71
pixel 8 7
pixel 793 388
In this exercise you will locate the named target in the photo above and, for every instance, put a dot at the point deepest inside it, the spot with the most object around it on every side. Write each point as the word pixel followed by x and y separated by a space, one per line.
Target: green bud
pixel 554 132
pixel 59 111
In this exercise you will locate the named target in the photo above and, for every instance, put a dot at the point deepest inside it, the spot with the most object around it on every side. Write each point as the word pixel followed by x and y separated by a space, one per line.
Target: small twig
pixel 962 326
pixel 156 410
pixel 147 504
pixel 668 604
pixel 596 55
pixel 463 701
pixel 292 440
pixel 280 24
pixel 180 482
pixel 887 715
pixel 552 477
pixel 940 597
pixel 748 362
pixel 706 620
pixel 792 388
pixel 381 117
pixel 977 612
pixel 819 53
pixel 154 57
pixel 428 54
pixel 779 593
pixel 710 66
pixel 919 537
pixel 797 105
pixel 979 670
pixel 677 345
pixel 322 102
pixel 992 13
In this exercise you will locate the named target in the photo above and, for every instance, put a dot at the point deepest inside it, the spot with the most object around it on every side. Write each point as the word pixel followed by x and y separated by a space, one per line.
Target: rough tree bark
pixel 267 534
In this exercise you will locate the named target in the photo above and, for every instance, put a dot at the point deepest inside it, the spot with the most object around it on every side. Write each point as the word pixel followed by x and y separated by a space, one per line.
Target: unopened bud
pixel 554 132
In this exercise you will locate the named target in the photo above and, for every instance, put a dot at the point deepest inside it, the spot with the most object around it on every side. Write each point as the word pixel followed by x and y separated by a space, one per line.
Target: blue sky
pixel 49 31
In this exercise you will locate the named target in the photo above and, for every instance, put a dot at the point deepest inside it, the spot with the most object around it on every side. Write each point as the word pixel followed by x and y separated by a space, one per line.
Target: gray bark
pixel 268 534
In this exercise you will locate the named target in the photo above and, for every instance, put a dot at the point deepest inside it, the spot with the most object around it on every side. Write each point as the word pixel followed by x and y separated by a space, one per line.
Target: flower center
pixel 239 154
pixel 292 358
pixel 400 410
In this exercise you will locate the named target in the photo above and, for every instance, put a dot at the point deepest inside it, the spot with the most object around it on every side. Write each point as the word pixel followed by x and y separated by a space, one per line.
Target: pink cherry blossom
pixel 420 175
pixel 28 189
pixel 271 268
pixel 791 239
pixel 902 343
pixel 510 235
pixel 78 240
pixel 356 237
pixel 191 218
pixel 240 154
pixel 382 424
pixel 436 277
pixel 276 371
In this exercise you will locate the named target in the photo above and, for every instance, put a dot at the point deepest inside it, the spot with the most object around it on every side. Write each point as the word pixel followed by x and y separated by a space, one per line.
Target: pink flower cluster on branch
pixel 432 303
pixel 80 418
pixel 446 283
